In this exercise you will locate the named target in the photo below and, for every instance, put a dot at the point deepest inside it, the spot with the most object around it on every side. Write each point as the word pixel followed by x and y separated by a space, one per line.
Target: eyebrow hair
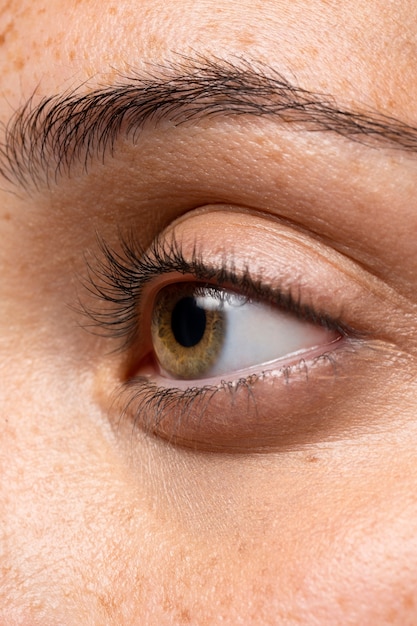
pixel 42 142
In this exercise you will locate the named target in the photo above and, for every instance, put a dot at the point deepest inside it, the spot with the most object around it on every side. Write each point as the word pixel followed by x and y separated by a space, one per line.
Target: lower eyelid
pixel 275 408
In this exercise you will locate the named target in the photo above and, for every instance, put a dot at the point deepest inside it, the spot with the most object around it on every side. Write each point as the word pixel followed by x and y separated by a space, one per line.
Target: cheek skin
pixel 364 571
pixel 97 532
pixel 330 536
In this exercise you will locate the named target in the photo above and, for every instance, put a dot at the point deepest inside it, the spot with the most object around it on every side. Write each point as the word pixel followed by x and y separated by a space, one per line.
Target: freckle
pixel 185 616
pixel 313 52
pixel 35 430
pixel 112 10
pixel 19 64
pixel 2 39
pixel 311 458
pixel 6 7
pixel 71 55
pixel 154 41
pixel 343 603
pixel 8 32
pixel 247 39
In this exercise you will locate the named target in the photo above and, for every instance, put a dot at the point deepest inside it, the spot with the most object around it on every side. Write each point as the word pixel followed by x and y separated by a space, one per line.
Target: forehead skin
pixel 84 540
pixel 313 40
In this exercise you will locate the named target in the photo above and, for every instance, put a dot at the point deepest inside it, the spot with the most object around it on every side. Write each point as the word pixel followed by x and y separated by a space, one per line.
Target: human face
pixel 278 485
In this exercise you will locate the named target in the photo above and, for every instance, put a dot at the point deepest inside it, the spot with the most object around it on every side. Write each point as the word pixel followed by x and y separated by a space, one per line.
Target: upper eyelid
pixel 120 279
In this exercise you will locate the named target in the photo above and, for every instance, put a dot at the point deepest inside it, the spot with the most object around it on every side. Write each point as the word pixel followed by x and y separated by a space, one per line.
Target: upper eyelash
pixel 119 279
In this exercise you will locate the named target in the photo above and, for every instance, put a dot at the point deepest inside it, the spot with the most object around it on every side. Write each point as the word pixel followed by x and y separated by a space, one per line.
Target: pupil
pixel 188 322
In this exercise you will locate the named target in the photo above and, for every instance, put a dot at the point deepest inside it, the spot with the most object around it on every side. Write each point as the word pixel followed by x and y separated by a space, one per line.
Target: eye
pixel 201 331
pixel 221 351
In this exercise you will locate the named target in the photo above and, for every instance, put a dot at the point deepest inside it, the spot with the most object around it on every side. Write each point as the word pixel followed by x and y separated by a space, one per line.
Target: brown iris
pixel 188 328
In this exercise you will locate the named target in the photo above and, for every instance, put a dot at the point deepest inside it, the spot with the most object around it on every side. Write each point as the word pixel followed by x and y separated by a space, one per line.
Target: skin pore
pixel 287 497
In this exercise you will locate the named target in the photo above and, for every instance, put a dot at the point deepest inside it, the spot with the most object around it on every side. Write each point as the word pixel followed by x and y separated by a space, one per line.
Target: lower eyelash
pixel 182 416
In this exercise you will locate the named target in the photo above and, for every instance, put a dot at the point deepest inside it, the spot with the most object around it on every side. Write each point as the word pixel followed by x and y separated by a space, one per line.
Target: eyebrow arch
pixel 42 142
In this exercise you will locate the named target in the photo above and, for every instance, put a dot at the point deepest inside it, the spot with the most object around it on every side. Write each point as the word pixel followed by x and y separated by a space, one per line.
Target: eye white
pixel 257 333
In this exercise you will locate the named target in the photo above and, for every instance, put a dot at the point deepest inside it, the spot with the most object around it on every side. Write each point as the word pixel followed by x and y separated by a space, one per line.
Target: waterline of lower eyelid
pixel 272 368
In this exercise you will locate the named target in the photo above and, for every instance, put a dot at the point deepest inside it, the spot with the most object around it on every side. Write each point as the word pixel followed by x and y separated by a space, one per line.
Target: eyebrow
pixel 42 142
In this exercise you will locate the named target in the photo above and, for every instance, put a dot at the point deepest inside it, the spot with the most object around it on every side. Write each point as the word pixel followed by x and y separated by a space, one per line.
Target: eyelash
pixel 119 280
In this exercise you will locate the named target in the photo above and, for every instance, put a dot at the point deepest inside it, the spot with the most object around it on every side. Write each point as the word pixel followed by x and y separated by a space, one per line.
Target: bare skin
pixel 294 503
